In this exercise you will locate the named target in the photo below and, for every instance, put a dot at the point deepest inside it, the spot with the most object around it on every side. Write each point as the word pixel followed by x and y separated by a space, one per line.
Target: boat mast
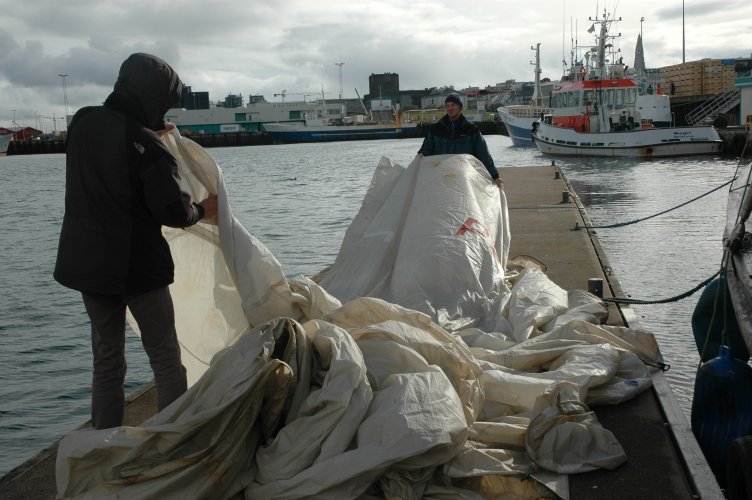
pixel 537 89
pixel 601 70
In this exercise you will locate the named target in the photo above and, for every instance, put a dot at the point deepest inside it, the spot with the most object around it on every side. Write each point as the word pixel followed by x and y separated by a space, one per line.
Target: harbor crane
pixel 285 93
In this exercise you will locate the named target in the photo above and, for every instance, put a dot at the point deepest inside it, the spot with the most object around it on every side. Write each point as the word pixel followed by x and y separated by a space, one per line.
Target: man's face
pixel 452 110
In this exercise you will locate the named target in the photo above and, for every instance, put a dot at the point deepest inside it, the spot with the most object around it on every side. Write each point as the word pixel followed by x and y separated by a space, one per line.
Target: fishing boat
pixel 738 240
pixel 600 109
pixel 722 326
pixel 319 128
pixel 4 142
pixel 519 118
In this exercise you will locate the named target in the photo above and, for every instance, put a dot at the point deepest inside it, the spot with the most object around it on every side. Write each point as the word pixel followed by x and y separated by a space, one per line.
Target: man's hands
pixel 168 127
pixel 210 206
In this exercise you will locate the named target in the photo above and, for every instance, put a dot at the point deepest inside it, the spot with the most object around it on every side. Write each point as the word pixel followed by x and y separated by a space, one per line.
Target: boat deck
pixel 664 460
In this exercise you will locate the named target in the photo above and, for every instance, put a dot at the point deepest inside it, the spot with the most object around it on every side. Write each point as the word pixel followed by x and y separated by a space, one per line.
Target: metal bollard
pixel 595 286
pixel 556 174
pixel 565 196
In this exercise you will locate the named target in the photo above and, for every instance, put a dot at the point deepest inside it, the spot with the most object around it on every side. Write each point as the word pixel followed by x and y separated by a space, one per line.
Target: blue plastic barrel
pixel 721 407
pixel 715 304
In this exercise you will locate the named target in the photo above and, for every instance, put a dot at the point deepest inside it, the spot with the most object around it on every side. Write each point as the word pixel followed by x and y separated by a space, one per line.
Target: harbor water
pixel 299 200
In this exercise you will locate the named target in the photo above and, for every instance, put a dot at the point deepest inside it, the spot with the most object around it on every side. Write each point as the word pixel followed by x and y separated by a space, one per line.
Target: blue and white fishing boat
pixel 319 129
pixel 519 118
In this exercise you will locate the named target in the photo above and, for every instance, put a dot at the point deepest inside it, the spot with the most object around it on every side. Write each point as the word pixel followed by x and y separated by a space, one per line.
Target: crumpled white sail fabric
pixel 450 380
pixel 440 215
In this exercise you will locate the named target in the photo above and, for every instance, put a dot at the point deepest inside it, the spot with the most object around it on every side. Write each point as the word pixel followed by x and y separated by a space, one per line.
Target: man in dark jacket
pixel 454 134
pixel 121 187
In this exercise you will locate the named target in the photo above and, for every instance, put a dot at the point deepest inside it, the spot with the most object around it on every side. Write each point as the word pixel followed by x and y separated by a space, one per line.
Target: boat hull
pixel 639 143
pixel 739 273
pixel 4 142
pixel 280 133
pixel 518 121
pixel 520 130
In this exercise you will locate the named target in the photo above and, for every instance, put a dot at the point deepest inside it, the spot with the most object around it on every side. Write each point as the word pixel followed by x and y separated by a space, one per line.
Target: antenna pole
pixel 340 64
pixel 65 97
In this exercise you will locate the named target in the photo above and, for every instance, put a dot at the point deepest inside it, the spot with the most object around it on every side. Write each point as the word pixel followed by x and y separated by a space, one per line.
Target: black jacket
pixel 121 186
pixel 461 137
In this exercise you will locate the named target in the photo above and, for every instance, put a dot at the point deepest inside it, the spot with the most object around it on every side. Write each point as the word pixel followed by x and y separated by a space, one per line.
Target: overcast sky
pixel 267 46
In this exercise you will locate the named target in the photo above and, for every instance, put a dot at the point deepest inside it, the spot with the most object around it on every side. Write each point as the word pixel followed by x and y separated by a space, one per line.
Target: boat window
pixel 588 98
pixel 610 98
pixel 631 96
pixel 619 98
pixel 576 97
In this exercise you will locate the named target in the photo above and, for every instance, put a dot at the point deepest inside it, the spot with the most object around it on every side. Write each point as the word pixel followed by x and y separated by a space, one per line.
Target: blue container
pixel 721 408
pixel 715 304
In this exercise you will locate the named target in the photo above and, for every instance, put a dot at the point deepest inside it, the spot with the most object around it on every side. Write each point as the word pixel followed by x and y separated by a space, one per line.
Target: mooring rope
pixel 718 295
pixel 676 298
pixel 621 224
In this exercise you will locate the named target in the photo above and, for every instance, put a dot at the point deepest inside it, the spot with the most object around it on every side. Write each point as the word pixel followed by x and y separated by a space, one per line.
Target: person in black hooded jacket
pixel 121 187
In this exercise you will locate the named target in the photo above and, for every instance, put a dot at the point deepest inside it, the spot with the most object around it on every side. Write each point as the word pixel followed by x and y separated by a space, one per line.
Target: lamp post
pixel 65 99
pixel 683 43
pixel 641 69
pixel 340 64
pixel 642 20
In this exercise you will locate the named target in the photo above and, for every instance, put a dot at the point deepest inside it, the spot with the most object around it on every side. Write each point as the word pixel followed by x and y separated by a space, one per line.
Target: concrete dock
pixel 664 460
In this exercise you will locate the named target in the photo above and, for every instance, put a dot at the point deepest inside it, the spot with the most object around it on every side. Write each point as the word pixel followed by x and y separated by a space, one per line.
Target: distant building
pixel 254 99
pixel 382 87
pixel 639 58
pixel 193 100
pixel 744 83
pixel 246 118
pixel 384 84
pixel 410 99
pixel 435 98
pixel 21 133
pixel 232 101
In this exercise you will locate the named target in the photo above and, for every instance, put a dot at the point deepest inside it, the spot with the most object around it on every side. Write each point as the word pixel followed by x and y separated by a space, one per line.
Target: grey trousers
pixel 155 316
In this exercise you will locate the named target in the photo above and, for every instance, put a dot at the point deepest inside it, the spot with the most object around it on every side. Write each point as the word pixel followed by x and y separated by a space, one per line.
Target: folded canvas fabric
pixel 384 378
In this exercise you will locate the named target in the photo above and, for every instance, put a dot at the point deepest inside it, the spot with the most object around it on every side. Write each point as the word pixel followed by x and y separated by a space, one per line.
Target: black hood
pixel 146 88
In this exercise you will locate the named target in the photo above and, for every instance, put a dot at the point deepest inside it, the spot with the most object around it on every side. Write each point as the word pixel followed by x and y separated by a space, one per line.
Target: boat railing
pixel 522 111
pixel 713 108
